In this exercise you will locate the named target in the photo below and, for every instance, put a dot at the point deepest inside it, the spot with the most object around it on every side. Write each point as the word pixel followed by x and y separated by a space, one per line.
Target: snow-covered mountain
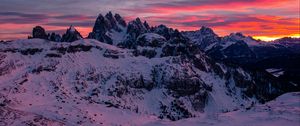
pixel 133 74
pixel 245 51
pixel 205 37
pixel 109 29
pixel 71 35
pixel 71 83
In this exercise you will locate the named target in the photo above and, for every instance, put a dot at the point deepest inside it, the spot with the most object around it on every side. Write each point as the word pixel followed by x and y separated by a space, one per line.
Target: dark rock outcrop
pixel 203 37
pixel 120 20
pixel 39 32
pixel 135 28
pixel 54 37
pixel 71 35
pixel 104 25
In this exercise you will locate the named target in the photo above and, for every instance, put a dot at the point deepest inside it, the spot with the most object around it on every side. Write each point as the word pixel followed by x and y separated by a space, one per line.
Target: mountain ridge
pixel 134 71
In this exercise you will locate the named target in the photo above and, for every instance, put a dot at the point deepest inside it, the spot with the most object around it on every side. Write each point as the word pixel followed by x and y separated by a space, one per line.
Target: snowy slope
pixel 88 82
pixel 285 110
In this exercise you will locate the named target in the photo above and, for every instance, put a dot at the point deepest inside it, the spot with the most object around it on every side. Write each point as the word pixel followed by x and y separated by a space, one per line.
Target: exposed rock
pixel 135 28
pixel 120 20
pixel 54 37
pixel 203 37
pixel 150 40
pixel 39 32
pixel 71 35
pixel 104 25
pixel 162 30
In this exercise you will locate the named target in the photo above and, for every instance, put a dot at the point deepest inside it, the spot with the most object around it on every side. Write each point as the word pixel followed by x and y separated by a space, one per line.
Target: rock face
pixel 39 32
pixel 203 37
pixel 71 35
pixel 54 37
pixel 134 29
pixel 179 84
pixel 247 52
pixel 158 71
pixel 150 40
pixel 120 20
pixel 105 25
pixel 162 30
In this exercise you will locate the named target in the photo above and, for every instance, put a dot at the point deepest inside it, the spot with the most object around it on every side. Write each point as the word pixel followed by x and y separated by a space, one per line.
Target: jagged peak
pixel 39 32
pixel 109 14
pixel 162 26
pixel 239 34
pixel 117 15
pixel 138 23
pixel 100 17
pixel 120 20
pixel 72 28
pixel 71 35
pixel 138 20
pixel 110 17
pixel 146 25
pixel 206 30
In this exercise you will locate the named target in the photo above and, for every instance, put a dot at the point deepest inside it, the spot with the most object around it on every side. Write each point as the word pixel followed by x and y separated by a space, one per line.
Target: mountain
pixel 71 35
pixel 109 29
pixel 282 54
pixel 135 74
pixel 39 32
pixel 282 111
pixel 74 76
pixel 203 37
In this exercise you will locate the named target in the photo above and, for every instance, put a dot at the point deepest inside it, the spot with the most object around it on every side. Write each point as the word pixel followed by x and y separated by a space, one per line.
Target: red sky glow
pixel 263 19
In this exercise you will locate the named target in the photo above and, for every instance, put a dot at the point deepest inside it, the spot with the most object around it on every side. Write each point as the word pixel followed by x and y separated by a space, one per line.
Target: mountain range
pixel 136 74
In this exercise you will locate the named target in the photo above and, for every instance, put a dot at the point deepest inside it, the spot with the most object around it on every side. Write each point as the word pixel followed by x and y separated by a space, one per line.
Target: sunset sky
pixel 265 19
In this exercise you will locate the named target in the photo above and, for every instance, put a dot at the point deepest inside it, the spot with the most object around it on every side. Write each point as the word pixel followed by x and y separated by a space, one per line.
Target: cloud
pixel 18 17
pixel 246 23
pixel 75 17
pixel 80 24
pixel 253 17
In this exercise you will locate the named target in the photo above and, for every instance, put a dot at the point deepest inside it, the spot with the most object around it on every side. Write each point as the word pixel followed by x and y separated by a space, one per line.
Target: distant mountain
pixel 235 48
pixel 71 35
pixel 287 40
pixel 247 52
pixel 203 37
pixel 109 29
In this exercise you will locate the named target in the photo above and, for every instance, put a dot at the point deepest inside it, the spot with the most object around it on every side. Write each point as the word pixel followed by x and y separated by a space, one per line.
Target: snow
pixel 285 110
pixel 275 72
pixel 247 39
pixel 151 36
pixel 62 90
pixel 117 36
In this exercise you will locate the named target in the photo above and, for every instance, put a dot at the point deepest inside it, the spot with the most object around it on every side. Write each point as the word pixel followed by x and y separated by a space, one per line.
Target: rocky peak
pixel 146 25
pixel 71 35
pixel 287 40
pixel 39 32
pixel 207 31
pixel 238 34
pixel 100 24
pixel 239 37
pixel 136 28
pixel 54 37
pixel 107 24
pixel 120 20
pixel 111 22
pixel 203 37
pixel 162 30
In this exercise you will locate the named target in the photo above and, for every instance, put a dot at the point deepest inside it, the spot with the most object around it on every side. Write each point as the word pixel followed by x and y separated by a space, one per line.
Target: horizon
pixel 262 19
